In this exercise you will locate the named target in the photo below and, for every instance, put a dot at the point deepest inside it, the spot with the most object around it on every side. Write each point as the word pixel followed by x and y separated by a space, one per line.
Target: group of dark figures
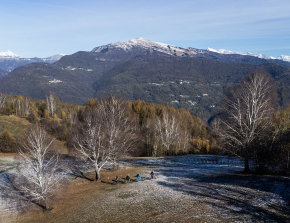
pixel 128 179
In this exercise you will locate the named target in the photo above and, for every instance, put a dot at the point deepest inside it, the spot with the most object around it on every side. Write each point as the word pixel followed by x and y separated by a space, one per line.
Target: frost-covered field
pixel 191 188
pixel 210 188
pixel 6 164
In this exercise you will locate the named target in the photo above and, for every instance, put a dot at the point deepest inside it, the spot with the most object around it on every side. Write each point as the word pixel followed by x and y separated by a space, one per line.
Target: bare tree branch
pixel 246 114
pixel 105 134
pixel 51 104
pixel 37 174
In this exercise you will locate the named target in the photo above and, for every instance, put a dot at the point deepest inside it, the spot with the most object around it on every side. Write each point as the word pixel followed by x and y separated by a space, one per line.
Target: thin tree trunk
pixel 98 176
pixel 115 165
pixel 154 150
pixel 246 163
pixel 46 205
pixel 288 159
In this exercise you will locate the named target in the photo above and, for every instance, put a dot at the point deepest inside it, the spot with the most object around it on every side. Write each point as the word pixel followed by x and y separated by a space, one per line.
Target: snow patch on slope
pixel 261 56
pixel 55 57
pixel 174 50
pixel 147 45
pixel 9 54
pixel 284 58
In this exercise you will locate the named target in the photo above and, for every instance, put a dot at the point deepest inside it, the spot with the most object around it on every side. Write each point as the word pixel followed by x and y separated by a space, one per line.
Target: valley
pixel 140 69
pixel 149 111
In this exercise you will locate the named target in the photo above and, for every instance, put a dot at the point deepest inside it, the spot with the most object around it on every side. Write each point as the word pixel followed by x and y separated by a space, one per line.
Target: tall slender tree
pixel 104 133
pixel 167 130
pixel 246 114
pixel 37 172
pixel 3 100
pixel 51 104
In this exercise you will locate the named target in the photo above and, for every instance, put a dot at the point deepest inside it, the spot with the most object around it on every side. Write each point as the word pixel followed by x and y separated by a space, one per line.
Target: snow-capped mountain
pixel 261 56
pixel 8 54
pixel 9 60
pixel 147 45
pixel 141 69
pixel 284 58
pixel 144 44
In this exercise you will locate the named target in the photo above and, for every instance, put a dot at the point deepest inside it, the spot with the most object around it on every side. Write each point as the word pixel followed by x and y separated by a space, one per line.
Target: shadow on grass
pixel 77 168
pixel 10 191
pixel 235 194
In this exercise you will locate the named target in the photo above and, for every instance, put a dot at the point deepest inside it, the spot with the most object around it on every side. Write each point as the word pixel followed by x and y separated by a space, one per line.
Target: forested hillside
pixel 2 73
pixel 144 70
pixel 189 133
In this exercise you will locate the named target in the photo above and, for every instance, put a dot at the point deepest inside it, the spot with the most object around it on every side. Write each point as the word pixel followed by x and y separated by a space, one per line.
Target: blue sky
pixel 46 27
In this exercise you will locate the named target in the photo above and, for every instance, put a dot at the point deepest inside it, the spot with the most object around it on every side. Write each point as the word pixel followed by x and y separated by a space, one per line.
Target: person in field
pixel 127 179
pixel 138 177
pixel 116 179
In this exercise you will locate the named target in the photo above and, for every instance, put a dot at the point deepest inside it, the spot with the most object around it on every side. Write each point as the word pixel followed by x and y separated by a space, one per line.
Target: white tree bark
pixel 167 130
pixel 89 142
pixel 3 100
pixel 105 134
pixel 183 141
pixel 247 114
pixel 22 106
pixel 51 104
pixel 37 172
pixel 26 107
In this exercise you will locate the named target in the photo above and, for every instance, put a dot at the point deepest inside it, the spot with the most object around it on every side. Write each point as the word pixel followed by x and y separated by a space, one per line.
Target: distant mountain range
pixel 261 56
pixel 141 69
pixel 9 60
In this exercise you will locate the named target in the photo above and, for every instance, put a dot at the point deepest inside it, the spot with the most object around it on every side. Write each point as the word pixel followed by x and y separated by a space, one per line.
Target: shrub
pixel 7 142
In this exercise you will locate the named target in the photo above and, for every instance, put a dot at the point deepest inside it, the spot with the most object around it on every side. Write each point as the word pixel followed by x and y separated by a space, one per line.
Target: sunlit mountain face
pixel 190 78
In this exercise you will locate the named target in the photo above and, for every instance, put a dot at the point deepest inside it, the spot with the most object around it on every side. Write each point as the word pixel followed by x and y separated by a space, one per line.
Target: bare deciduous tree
pixel 183 141
pixel 37 172
pixel 246 114
pixel 51 104
pixel 88 140
pixel 26 106
pixel 22 106
pixel 105 133
pixel 167 130
pixel 3 100
pixel 165 135
pixel 119 125
pixel 151 139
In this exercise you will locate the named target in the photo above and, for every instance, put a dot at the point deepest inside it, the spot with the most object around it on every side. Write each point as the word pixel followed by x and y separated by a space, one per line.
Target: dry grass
pixel 60 147
pixel 72 201
pixel 83 201
pixel 8 155
pixel 181 193
pixel 17 126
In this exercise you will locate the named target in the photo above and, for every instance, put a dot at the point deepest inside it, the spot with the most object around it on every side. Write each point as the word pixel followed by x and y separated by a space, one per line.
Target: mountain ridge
pixel 171 49
pixel 155 72
pixel 9 60
pixel 261 56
